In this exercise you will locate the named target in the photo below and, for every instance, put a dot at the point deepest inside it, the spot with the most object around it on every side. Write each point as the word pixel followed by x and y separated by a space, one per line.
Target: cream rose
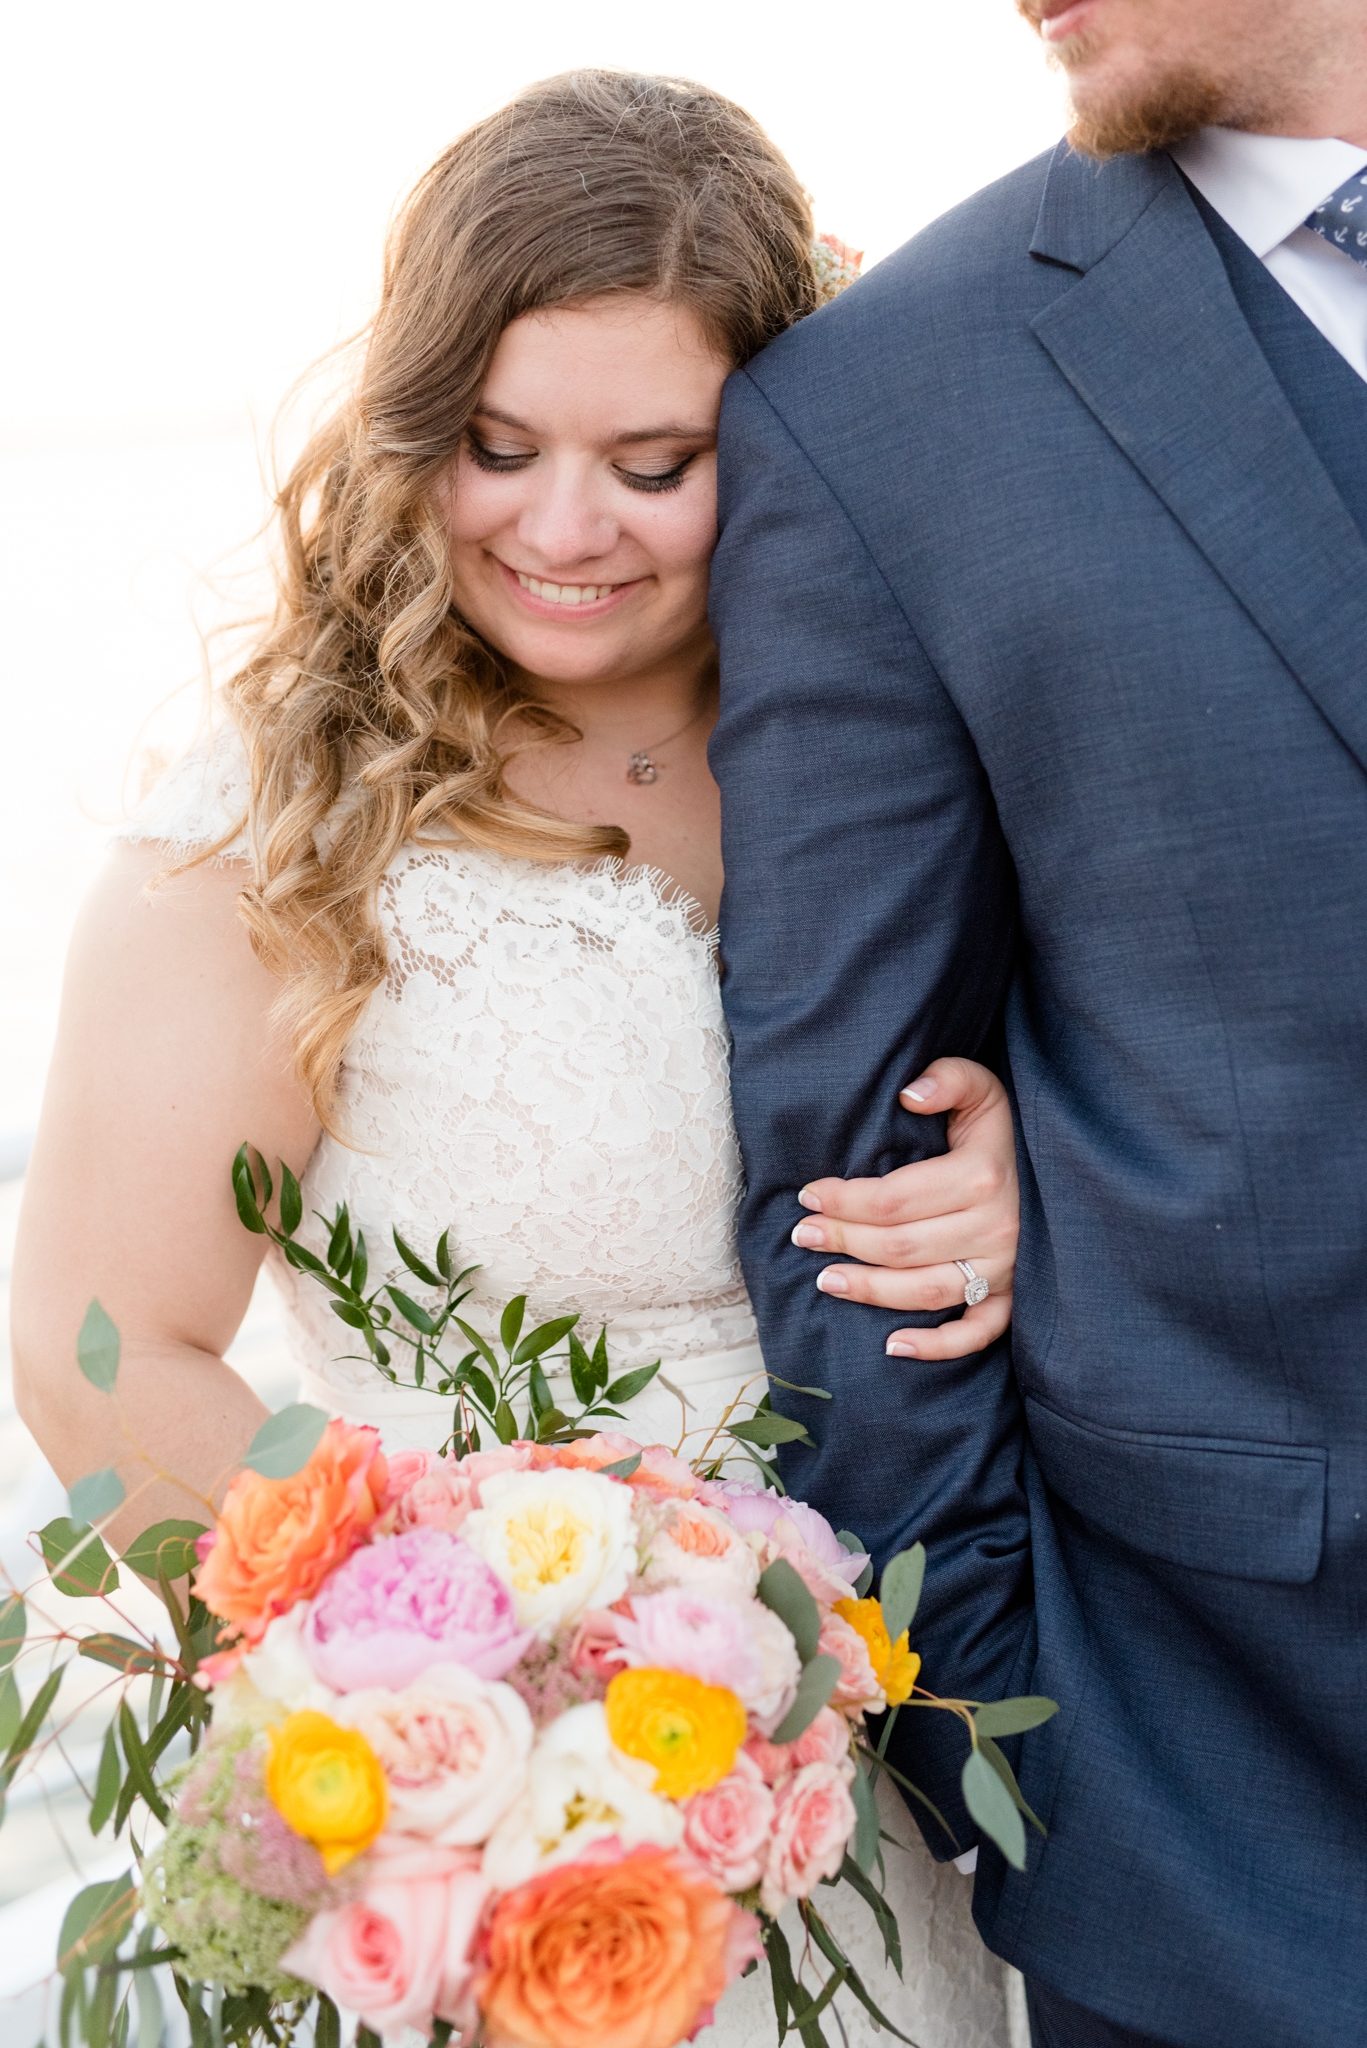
pixel 701 1548
pixel 561 1542
pixel 579 1789
pixel 453 1748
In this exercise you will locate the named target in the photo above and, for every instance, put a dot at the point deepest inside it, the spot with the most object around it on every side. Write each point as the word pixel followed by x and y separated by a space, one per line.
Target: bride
pixel 439 926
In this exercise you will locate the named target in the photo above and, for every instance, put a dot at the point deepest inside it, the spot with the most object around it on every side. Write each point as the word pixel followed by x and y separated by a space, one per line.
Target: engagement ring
pixel 976 1289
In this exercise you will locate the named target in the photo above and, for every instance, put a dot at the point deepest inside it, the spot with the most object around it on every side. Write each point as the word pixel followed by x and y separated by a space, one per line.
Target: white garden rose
pixel 579 1789
pixel 562 1541
pixel 453 1748
pixel 701 1548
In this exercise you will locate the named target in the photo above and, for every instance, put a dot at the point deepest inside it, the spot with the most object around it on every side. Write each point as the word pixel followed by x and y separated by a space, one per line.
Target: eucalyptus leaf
pixel 631 1383
pixel 291 1202
pixel 816 1393
pixel 988 1748
pixel 97 1495
pixel 819 1680
pixel 864 1581
pixel 97 1349
pixel 107 1781
pixel 866 1830
pixel 992 1807
pixel 900 1589
pixel 168 1546
pixel 11 1711
pixel 96 1922
pixel 13 1627
pixel 622 1468
pixel 27 1731
pixel 285 1442
pixel 769 1430
pixel 121 1653
pixel 782 1590
pixel 1013 1717
pixel 77 1560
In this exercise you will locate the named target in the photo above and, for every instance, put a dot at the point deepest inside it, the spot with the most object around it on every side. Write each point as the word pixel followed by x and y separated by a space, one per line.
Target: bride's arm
pixel 909 1226
pixel 166 1059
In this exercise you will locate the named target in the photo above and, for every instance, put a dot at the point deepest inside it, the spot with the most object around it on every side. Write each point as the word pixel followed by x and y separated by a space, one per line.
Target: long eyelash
pixel 496 465
pixel 668 480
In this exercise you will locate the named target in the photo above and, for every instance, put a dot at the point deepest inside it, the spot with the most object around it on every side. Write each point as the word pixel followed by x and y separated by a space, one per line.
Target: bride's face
pixel 582 508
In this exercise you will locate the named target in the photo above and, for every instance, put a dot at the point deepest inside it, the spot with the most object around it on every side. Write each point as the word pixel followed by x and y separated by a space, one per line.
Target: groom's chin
pixel 1115 116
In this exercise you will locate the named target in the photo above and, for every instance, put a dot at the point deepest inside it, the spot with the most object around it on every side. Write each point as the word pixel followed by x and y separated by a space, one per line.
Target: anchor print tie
pixel 1342 218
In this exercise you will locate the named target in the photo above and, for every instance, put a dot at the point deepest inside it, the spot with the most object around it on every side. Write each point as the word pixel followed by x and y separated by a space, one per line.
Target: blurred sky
pixel 196 200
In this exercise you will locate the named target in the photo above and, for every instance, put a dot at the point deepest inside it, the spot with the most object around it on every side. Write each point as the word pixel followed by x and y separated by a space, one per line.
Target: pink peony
pixel 726 1829
pixel 453 1749
pixel 735 1643
pixel 814 1818
pixel 405 1602
pixel 805 1538
pixel 857 1686
pixel 399 1955
pixel 825 1741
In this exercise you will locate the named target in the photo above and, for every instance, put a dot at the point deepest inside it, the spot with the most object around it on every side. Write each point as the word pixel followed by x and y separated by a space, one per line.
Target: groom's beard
pixel 1138 115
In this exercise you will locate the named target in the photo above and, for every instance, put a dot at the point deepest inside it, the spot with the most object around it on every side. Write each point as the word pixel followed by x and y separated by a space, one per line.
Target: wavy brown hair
pixel 367 680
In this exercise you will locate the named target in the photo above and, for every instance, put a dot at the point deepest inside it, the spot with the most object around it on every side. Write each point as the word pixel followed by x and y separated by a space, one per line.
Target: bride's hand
pixel 910 1226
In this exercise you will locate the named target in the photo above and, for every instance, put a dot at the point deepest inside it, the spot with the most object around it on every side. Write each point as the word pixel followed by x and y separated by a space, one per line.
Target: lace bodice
pixel 544 1069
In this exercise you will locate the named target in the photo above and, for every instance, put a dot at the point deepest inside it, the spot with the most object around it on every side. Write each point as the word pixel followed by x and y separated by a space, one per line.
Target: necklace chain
pixel 641 768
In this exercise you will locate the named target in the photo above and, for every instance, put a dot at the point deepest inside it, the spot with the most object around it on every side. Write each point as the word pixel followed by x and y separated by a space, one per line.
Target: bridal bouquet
pixel 527 1743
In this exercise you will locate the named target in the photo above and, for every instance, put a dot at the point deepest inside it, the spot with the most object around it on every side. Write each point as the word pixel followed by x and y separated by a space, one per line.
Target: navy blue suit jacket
pixel 1043 635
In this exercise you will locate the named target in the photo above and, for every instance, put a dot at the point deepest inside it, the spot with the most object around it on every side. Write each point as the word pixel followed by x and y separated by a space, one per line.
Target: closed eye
pixel 492 463
pixel 660 480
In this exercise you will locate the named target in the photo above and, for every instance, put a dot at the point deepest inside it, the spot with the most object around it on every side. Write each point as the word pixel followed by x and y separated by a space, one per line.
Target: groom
pixel 1042 601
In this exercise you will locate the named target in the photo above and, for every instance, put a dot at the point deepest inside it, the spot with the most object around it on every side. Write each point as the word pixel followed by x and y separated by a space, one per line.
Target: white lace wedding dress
pixel 544 1071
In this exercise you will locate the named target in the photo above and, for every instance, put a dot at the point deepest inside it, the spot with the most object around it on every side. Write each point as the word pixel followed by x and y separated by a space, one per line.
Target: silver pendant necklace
pixel 641 769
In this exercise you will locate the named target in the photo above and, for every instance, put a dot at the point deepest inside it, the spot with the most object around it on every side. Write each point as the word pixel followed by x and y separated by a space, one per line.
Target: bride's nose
pixel 564 520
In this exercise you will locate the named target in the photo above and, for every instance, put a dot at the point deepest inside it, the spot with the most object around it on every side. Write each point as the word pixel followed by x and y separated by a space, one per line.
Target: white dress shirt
pixel 1265 186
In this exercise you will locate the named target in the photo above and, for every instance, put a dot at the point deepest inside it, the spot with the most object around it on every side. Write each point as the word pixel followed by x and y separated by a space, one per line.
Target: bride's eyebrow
pixel 666 433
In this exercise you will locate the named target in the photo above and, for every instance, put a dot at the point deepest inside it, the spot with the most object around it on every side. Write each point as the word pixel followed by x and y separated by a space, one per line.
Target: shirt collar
pixel 1265 185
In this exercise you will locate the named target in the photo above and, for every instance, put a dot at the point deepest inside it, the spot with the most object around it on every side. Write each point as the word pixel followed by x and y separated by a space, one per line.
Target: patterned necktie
pixel 1342 218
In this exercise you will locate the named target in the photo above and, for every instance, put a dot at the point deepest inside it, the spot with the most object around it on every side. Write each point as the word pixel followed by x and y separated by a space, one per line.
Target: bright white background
pixel 195 200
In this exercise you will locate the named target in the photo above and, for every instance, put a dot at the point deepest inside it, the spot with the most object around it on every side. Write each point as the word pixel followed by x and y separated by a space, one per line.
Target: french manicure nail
pixel 898 1347
pixel 920 1091
pixel 832 1281
pixel 808 1199
pixel 810 1236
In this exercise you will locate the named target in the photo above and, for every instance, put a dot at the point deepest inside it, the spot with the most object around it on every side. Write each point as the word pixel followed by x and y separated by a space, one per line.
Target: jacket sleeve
pixel 868 924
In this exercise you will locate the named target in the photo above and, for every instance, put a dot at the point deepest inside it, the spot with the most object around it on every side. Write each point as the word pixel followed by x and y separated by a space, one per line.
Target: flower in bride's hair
pixel 894 1665
pixel 453 1749
pixel 613 1950
pixel 814 1818
pixel 836 265
pixel 560 1541
pixel 400 1953
pixel 406 1602
pixel 689 1731
pixel 701 1547
pixel 277 1539
pixel 325 1781
pixel 579 1789
pixel 724 1642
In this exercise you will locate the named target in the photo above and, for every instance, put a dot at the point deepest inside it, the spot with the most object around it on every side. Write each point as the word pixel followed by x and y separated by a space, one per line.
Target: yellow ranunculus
pixel 688 1730
pixel 327 1784
pixel 894 1666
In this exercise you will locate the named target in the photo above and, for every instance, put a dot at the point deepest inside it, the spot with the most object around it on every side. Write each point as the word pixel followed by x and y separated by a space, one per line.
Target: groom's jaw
pixel 1144 75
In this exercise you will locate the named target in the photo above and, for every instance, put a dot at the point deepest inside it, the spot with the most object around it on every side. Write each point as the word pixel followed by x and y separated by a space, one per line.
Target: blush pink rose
pixel 596 1651
pixel 406 1602
pixel 726 1829
pixel 825 1741
pixel 441 1492
pixel 453 1749
pixel 406 1468
pixel 857 1685
pixel 399 1954
pixel 814 1818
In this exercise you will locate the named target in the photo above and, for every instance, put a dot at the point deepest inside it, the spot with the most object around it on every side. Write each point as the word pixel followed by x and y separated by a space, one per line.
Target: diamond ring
pixel 976 1289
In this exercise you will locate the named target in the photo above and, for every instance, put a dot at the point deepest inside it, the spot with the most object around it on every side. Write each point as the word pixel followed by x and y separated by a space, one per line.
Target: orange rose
pixel 612 1951
pixel 276 1540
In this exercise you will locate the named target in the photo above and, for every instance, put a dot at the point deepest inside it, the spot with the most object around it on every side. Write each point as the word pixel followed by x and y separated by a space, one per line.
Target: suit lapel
pixel 1153 342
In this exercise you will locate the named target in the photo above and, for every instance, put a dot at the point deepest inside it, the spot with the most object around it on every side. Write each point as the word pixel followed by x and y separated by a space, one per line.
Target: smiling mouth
pixel 565 593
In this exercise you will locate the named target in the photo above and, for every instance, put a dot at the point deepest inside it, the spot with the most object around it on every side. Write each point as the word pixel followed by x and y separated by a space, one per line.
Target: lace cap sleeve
pixel 197 800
